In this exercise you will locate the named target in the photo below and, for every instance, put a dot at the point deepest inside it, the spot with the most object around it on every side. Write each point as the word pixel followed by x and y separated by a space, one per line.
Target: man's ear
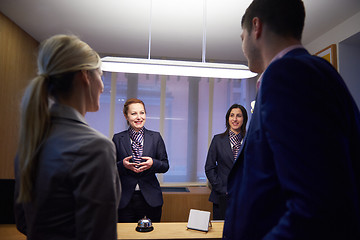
pixel 257 27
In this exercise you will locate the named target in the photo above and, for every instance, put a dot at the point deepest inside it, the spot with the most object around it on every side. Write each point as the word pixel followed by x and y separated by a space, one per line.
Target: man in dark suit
pixel 298 173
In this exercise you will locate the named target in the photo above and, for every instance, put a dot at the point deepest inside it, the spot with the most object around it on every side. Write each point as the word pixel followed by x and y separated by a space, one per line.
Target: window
pixel 187 111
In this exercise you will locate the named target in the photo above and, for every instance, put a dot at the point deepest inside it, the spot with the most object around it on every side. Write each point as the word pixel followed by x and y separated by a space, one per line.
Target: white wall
pixel 348 55
pixel 349 58
pixel 339 33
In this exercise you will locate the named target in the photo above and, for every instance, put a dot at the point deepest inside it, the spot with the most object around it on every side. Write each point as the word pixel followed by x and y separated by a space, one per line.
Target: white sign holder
pixel 199 220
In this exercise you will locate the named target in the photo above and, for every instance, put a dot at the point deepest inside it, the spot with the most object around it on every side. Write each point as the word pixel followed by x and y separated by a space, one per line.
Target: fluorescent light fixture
pixel 174 67
pixel 177 68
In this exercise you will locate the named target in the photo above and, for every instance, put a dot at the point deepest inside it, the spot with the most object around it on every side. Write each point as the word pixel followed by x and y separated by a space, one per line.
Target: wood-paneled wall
pixel 17 66
pixel 177 205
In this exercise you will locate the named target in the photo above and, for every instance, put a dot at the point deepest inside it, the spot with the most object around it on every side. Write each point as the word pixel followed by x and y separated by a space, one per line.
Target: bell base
pixel 148 229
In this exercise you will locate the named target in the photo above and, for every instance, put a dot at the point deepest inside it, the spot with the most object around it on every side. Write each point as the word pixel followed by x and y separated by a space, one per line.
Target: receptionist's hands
pixel 130 165
pixel 145 165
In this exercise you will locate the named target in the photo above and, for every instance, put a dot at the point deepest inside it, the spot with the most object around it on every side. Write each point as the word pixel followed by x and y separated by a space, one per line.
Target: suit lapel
pixel 227 148
pixel 242 147
pixel 125 141
pixel 147 143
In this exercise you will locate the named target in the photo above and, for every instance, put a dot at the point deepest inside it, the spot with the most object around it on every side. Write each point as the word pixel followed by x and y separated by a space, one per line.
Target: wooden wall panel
pixel 177 205
pixel 17 66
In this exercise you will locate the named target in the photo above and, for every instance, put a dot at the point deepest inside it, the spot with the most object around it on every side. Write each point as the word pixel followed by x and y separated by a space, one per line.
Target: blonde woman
pixel 67 186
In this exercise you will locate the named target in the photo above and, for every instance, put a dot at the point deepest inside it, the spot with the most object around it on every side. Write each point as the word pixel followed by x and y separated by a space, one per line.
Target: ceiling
pixel 121 27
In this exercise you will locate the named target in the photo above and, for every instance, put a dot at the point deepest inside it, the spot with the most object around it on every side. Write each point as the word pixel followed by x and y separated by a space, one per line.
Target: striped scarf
pixel 235 140
pixel 137 139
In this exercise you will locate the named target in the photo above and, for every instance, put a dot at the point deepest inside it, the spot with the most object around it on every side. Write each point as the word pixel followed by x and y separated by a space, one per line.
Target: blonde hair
pixel 59 58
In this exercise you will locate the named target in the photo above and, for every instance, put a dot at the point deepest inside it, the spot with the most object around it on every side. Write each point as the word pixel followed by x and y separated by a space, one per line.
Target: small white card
pixel 199 220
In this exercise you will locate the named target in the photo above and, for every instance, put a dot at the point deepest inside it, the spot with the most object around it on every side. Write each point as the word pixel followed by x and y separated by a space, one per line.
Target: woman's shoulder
pixel 153 134
pixel 91 136
pixel 81 139
pixel 220 136
pixel 151 131
pixel 123 133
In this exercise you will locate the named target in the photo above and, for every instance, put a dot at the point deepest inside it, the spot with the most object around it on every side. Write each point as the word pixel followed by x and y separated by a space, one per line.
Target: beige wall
pixel 337 34
pixel 17 67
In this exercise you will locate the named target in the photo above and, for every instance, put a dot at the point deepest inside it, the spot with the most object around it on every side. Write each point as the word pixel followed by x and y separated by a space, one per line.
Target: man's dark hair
pixel 283 17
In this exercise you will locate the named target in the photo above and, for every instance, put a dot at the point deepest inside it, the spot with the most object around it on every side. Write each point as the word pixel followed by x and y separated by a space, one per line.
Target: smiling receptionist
pixel 140 154
pixel 222 153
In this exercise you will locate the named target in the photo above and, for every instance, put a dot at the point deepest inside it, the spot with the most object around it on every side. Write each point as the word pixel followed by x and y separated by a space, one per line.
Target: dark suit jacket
pixel 298 172
pixel 218 164
pixel 154 147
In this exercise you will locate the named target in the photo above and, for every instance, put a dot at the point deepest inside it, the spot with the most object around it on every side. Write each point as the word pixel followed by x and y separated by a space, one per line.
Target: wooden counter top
pixel 168 230
pixel 9 232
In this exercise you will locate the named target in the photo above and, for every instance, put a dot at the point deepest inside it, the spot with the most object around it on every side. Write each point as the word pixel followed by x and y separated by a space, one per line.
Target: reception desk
pixel 9 232
pixel 166 230
pixel 169 230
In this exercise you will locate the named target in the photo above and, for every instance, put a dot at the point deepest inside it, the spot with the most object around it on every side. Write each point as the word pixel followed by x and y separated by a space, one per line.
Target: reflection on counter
pixel 174 189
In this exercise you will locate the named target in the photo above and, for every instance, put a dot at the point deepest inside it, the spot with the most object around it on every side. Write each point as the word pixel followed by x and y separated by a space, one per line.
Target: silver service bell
pixel 144 225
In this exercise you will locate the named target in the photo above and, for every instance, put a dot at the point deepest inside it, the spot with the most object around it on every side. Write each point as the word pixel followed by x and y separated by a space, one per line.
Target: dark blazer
pixel 154 147
pixel 298 173
pixel 218 164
